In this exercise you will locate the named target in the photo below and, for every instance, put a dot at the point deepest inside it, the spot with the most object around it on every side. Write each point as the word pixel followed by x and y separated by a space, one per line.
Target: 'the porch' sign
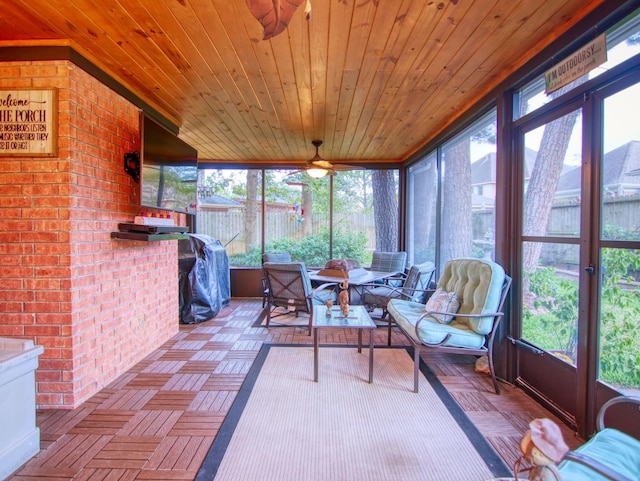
pixel 28 122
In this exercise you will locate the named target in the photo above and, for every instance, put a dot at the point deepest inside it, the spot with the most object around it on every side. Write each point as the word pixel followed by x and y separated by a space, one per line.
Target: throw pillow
pixel 443 301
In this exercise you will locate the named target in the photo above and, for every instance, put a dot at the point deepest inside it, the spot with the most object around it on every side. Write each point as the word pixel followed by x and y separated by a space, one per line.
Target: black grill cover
pixel 205 287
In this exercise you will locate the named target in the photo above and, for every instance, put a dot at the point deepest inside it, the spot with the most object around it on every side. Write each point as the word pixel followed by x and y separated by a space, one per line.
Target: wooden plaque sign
pixel 28 122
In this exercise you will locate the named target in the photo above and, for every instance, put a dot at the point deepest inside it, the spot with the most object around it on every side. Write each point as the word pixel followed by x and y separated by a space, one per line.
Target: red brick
pixel 37 284
pixel 40 237
pixel 14 190
pixel 80 291
pixel 38 330
pixel 48 376
pixel 16 249
pixel 16 225
pixel 17 272
pixel 40 213
pixel 22 318
pixel 12 330
pixel 35 71
pixel 42 189
pixel 50 318
pixel 46 400
pixel 6 307
pixel 12 291
pixel 14 202
pixel 41 307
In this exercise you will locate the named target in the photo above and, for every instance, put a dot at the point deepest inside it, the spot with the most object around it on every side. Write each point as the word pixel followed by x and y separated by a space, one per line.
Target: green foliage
pixel 553 320
pixel 312 250
pixel 619 316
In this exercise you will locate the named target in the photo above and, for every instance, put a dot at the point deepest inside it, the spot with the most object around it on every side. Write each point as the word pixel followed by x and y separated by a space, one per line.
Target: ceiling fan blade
pixel 320 164
pixel 342 167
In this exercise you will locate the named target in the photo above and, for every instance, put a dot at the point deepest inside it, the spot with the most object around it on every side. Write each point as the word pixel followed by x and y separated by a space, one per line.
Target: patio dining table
pixel 357 277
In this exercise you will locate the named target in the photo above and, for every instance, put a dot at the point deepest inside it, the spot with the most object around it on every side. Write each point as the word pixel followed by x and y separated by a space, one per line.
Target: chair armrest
pixel 595 465
pixel 323 287
pixel 396 277
pixel 611 402
pixel 406 293
pixel 469 316
pixel 371 285
pixel 413 291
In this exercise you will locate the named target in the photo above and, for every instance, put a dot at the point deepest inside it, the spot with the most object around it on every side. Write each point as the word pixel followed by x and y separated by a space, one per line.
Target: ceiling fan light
pixel 316 173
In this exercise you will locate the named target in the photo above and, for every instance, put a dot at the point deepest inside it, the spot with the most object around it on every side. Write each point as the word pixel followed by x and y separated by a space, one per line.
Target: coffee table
pixel 358 318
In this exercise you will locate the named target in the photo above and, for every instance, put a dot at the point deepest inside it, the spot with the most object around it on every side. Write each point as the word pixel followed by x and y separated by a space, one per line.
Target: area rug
pixel 284 426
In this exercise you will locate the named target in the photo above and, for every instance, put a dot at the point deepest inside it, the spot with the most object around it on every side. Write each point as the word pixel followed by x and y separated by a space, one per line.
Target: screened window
pixel 347 215
pixel 467 217
pixel 623 42
pixel 422 192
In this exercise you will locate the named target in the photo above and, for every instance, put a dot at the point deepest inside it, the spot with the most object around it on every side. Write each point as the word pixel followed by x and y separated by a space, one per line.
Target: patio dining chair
pixel 289 289
pixel 383 261
pixel 388 261
pixel 272 257
pixel 276 257
pixel 414 287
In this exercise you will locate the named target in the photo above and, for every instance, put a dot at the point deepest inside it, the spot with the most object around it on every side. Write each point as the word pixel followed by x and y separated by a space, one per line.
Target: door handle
pixel 591 270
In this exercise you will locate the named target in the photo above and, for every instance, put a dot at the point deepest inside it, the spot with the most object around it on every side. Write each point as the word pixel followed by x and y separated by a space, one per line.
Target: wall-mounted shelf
pixel 150 233
pixel 141 236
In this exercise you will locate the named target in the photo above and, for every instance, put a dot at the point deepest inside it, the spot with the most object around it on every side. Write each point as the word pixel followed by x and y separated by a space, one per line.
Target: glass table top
pixel 358 317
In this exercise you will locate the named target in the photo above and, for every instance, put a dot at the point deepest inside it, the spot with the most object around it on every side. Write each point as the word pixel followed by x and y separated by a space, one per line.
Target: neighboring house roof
pixel 218 200
pixel 617 174
pixel 483 170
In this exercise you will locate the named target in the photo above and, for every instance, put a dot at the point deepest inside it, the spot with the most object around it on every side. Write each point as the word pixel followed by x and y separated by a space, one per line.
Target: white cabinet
pixel 19 436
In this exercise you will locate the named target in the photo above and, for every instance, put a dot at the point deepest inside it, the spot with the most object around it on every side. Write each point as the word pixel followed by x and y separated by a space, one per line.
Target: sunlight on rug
pixel 287 427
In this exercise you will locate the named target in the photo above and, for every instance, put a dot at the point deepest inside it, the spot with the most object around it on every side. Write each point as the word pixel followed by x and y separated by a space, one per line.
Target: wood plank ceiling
pixel 374 79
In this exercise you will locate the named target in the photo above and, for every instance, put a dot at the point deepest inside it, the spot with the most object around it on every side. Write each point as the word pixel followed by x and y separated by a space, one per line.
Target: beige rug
pixel 343 428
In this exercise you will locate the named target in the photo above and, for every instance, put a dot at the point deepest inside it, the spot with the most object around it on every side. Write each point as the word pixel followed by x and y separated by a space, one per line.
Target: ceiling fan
pixel 317 167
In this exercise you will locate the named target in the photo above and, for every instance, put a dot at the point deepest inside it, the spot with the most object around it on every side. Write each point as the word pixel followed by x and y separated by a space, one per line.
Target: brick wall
pixel 97 305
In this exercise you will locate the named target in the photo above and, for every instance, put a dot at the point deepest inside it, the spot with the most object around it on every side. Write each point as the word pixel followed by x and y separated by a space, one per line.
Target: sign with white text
pixel 577 64
pixel 28 121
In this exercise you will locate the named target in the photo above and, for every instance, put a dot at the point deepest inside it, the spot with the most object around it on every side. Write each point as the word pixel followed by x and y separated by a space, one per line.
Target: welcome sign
pixel 577 64
pixel 28 122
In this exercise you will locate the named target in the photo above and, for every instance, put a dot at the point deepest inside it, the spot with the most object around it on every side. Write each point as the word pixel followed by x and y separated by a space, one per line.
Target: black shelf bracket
pixel 132 165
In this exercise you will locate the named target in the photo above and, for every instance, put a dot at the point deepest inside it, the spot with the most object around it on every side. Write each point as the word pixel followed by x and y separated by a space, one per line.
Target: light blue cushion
pixel 407 313
pixel 478 284
pixel 611 447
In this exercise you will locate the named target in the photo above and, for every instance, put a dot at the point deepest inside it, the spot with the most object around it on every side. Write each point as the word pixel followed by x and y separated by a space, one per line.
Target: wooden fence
pixel 228 227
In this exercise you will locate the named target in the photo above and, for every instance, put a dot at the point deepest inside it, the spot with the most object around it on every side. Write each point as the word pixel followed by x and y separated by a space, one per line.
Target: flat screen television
pixel 169 170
